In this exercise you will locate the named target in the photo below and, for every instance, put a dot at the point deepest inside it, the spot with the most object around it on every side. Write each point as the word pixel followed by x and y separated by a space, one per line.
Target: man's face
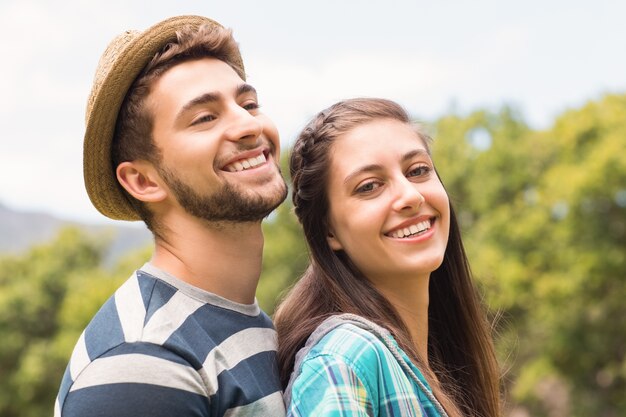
pixel 219 152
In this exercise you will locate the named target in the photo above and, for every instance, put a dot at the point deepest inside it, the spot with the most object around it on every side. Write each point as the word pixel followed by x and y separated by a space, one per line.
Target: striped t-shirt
pixel 161 347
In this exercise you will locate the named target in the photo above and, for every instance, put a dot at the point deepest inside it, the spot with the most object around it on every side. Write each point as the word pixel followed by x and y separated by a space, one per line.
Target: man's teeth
pixel 412 230
pixel 246 163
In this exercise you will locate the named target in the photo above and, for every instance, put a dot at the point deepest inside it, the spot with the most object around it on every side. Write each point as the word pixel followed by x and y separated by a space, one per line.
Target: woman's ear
pixel 333 242
pixel 141 180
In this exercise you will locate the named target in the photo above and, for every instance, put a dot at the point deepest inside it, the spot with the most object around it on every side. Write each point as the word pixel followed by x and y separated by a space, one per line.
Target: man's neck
pixel 224 259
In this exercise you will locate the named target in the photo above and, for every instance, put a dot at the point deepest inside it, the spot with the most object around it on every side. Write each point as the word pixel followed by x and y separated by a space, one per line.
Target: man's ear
pixel 141 180
pixel 333 242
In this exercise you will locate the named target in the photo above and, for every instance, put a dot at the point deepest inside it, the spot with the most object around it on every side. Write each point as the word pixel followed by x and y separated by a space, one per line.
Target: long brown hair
pixel 465 372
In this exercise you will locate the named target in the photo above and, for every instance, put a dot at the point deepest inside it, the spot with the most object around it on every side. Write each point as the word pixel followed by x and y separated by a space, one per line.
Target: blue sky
pixel 541 56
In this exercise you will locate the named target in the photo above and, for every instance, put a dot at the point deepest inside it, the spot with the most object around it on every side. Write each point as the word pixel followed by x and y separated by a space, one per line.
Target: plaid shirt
pixel 351 371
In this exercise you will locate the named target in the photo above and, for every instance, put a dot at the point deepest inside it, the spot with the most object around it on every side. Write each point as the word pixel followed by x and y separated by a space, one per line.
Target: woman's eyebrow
pixel 414 153
pixel 375 167
pixel 360 170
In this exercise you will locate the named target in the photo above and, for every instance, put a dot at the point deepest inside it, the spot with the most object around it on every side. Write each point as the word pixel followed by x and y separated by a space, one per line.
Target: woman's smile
pixel 383 192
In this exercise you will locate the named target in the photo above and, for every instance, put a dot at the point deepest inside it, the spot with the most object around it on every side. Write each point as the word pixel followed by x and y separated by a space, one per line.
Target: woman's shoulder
pixel 355 359
pixel 352 355
pixel 347 339
pixel 358 345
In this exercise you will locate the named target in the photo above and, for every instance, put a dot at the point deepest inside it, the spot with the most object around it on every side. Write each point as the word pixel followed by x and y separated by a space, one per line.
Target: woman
pixel 386 320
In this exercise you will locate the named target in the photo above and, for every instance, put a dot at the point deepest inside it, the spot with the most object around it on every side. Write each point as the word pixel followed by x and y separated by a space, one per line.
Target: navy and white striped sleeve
pixel 136 379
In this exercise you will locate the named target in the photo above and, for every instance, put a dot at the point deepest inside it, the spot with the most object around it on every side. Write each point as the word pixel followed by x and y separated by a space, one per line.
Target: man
pixel 175 137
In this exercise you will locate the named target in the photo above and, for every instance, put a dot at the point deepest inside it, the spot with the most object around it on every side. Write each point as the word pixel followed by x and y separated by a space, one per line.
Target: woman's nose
pixel 408 196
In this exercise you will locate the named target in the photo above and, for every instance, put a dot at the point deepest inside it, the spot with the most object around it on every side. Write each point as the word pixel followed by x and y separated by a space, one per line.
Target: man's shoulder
pixel 145 309
pixel 155 336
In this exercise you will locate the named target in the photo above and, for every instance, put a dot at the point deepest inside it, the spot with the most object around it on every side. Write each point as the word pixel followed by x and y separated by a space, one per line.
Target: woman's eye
pixel 368 187
pixel 419 171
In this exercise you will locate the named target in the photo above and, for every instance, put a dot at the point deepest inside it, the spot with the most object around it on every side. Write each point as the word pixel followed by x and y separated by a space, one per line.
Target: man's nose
pixel 242 125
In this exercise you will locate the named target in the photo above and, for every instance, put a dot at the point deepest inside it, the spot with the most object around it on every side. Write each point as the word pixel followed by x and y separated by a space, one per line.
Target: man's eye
pixel 252 106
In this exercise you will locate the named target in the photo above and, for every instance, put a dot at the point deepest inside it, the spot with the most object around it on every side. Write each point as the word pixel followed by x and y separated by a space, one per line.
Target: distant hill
pixel 19 230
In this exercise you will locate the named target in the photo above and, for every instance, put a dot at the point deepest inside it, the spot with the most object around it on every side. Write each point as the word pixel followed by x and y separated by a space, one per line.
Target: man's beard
pixel 228 204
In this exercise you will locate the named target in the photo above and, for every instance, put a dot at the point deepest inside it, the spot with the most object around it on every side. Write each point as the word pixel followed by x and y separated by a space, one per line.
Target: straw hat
pixel 121 63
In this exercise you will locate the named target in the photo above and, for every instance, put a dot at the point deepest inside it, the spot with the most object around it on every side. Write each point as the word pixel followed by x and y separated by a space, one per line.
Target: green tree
pixel 543 216
pixel 580 298
pixel 285 256
pixel 34 287
pixel 48 297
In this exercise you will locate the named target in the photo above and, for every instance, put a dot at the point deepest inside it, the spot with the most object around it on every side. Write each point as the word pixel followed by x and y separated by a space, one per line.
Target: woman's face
pixel 388 210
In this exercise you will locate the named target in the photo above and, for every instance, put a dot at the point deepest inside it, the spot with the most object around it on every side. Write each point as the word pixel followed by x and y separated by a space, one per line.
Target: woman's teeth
pixel 412 230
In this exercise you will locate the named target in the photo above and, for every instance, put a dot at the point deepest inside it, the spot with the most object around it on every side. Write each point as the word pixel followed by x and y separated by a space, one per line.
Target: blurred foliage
pixel 33 328
pixel 544 222
pixel 543 215
pixel 285 255
pixel 47 297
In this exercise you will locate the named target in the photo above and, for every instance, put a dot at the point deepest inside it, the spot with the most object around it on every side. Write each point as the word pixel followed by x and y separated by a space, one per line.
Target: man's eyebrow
pixel 208 98
pixel 200 100
pixel 245 88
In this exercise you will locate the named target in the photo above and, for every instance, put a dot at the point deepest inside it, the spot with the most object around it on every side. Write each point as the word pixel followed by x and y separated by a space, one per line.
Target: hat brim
pixel 135 51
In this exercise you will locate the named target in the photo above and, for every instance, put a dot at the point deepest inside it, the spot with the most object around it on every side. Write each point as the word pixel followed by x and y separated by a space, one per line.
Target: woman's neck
pixel 410 299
